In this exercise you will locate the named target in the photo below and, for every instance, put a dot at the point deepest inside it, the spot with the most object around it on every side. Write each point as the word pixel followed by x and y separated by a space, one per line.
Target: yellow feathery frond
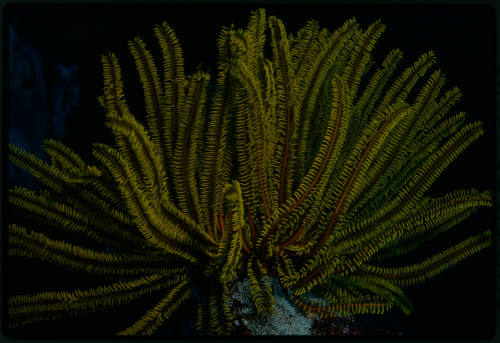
pixel 173 95
pixel 417 273
pixel 349 308
pixel 395 173
pixel 356 67
pixel 286 268
pixel 118 113
pixel 148 218
pixel 159 314
pixel 216 160
pixel 304 46
pixel 348 182
pixel 70 163
pixel 63 216
pixel 173 69
pixel 310 84
pixel 380 287
pixel 140 156
pixel 214 317
pixel 404 84
pixel 34 244
pixel 51 206
pixel 287 117
pixel 248 165
pixel 314 183
pixel 427 95
pixel 249 118
pixel 49 175
pixel 186 224
pixel 371 93
pixel 90 299
pixel 25 309
pixel 442 107
pixel 256 38
pixel 437 216
pixel 260 288
pixel 153 94
pixel 62 156
pixel 113 96
pixel 201 319
pixel 185 159
pixel 231 246
pixel 214 323
pixel 433 138
pixel 430 170
pixel 105 188
pixel 113 225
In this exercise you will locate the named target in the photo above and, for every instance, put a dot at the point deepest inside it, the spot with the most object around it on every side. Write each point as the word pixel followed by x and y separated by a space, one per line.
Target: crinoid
pixel 293 176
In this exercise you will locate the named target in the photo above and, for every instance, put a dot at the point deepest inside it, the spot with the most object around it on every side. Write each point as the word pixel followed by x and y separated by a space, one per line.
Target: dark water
pixel 55 78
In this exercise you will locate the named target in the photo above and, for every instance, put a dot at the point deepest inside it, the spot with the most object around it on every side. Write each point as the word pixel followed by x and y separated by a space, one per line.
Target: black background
pixel 456 303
